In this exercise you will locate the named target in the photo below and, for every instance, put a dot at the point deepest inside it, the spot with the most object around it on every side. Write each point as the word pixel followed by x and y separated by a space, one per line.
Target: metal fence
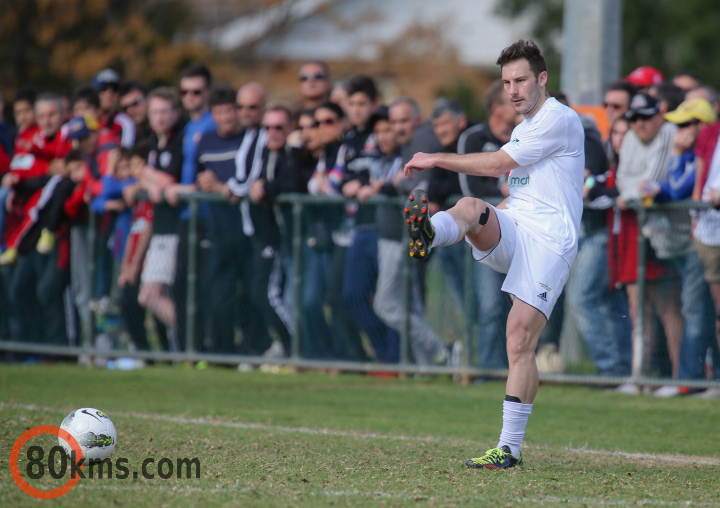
pixel 451 295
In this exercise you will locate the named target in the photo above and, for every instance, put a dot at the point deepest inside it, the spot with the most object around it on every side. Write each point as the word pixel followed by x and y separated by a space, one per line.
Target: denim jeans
pixel 359 283
pixel 4 193
pixel 699 314
pixel 601 315
pixel 493 309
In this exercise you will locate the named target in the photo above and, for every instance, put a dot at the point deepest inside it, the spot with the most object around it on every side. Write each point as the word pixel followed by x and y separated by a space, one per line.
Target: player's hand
pixel 419 162
pixel 10 180
pixel 155 195
pixel 208 182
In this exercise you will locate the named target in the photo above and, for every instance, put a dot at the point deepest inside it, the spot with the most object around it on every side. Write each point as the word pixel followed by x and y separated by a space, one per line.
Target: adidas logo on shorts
pixel 543 297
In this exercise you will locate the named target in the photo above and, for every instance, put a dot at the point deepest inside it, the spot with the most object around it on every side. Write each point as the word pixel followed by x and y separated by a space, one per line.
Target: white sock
pixel 446 229
pixel 515 418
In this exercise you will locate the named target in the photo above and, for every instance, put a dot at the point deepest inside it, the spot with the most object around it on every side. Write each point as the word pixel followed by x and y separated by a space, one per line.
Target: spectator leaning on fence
pixel 697 308
pixel 164 169
pixel 706 229
pixel 133 102
pixel 644 155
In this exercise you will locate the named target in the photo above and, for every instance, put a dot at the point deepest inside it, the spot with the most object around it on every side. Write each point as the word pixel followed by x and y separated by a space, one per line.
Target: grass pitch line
pixel 387 495
pixel 370 435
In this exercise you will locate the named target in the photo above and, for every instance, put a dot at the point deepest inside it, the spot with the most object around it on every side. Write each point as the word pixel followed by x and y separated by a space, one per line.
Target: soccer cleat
pixel 496 458
pixel 417 218
pixel 46 242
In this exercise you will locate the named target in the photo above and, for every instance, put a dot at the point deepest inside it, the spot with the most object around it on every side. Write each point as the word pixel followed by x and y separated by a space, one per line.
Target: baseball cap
pixel 694 109
pixel 82 126
pixel 106 77
pixel 642 104
pixel 645 76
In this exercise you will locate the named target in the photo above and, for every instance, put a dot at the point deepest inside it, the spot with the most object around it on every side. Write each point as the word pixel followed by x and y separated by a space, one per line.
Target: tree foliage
pixel 670 35
pixel 58 44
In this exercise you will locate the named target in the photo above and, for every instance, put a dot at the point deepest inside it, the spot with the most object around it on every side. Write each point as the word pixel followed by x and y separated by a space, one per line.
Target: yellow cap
pixel 694 109
pixel 91 122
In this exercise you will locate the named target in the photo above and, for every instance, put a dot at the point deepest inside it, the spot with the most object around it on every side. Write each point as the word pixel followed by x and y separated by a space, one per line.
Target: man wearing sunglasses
pixel 107 83
pixel 133 102
pixel 314 78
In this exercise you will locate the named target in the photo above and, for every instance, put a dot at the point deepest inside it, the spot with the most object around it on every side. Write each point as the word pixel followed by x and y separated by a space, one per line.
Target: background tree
pixel 670 35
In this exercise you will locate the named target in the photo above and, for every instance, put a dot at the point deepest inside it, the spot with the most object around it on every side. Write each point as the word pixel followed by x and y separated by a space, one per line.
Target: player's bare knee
pixel 145 296
pixel 520 342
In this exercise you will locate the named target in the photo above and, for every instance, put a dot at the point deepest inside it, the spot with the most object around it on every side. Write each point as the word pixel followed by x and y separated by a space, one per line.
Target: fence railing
pixel 438 305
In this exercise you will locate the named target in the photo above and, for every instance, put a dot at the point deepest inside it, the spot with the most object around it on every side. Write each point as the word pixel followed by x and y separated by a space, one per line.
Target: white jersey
pixel 546 191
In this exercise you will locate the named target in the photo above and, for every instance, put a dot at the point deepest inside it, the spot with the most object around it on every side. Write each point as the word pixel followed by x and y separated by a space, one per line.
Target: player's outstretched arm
pixel 474 164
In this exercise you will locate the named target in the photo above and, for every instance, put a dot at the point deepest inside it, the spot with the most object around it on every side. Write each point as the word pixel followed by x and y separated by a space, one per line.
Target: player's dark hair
pixel 198 70
pixel 332 107
pixel 25 95
pixel 88 94
pixel 130 86
pixel 364 84
pixel 527 50
pixel 73 156
pixel 221 95
pixel 141 149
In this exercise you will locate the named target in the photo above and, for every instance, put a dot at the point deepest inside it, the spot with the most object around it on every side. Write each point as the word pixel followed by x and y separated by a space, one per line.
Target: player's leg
pixel 470 217
pixel 525 323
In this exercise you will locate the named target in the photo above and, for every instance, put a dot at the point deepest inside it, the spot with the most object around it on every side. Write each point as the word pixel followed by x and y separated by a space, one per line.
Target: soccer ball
pixel 93 430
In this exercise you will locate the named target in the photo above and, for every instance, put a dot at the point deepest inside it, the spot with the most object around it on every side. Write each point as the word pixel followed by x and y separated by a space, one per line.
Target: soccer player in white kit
pixel 533 239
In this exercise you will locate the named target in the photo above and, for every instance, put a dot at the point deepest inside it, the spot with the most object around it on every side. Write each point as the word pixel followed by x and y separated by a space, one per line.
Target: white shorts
pixel 535 274
pixel 161 259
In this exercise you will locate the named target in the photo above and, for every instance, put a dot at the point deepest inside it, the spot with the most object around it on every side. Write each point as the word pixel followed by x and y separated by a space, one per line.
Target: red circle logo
pixel 15 455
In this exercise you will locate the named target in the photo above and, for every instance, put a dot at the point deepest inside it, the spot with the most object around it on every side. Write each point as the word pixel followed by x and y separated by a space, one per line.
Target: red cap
pixel 645 76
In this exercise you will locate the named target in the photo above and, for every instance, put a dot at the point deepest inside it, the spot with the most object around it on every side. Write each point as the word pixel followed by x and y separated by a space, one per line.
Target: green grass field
pixel 319 440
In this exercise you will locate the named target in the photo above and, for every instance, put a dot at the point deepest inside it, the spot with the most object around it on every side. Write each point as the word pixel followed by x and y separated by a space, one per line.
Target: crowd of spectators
pixel 127 154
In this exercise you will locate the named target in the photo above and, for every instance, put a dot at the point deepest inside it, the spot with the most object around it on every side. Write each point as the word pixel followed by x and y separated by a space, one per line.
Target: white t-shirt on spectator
pixel 546 191
pixel 707 228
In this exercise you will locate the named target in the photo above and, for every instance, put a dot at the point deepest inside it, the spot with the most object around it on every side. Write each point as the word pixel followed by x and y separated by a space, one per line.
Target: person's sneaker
pixel 417 218
pixel 46 242
pixel 628 389
pixel 496 458
pixel 666 392
pixel 710 393
pixel 9 257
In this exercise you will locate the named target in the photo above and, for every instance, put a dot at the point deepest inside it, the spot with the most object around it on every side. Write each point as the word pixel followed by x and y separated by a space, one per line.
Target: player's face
pixel 226 120
pixel 526 92
pixel 76 171
pixel 360 109
pixel 122 171
pixel 309 132
pixel 277 124
pixel 162 115
pixel 385 136
pixel 24 114
pixel 403 121
pixel 49 116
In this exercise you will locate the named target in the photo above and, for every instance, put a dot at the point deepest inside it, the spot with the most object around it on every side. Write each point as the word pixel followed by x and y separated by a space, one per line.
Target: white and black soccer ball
pixel 93 430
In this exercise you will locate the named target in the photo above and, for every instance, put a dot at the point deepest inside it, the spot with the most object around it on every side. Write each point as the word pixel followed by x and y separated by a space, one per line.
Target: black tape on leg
pixel 484 216
pixel 511 398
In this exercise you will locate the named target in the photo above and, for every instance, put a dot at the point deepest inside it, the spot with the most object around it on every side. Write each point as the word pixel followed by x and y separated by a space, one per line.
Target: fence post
pixel 639 325
pixel 89 342
pixel 191 305
pixel 470 303
pixel 406 286
pixel 297 247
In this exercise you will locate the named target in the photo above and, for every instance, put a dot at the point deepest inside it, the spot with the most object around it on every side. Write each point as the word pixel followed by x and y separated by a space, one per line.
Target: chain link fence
pixel 311 282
